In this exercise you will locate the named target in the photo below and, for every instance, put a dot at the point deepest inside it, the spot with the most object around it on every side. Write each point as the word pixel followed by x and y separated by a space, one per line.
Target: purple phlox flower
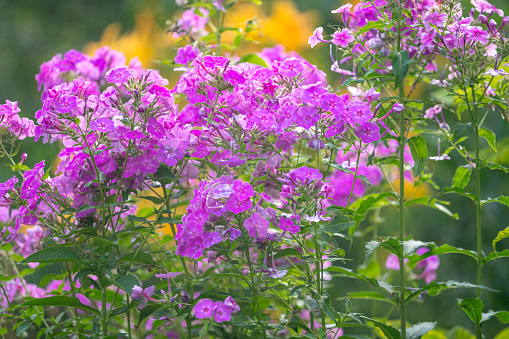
pixel 343 9
pixel 236 205
pixel 102 125
pixel 342 38
pixel 317 37
pixel 144 294
pixel 440 157
pixel 372 95
pixel 9 108
pixel 170 151
pixel 204 308
pixel 119 75
pixel 360 113
pixel 288 225
pixel 291 67
pixel 234 77
pixel 392 262
pixel 168 276
pixel 476 33
pixel 495 73
pixel 306 174
pixel 483 6
pixel 428 265
pixel 427 40
pixel 222 312
pixel 232 304
pixel 186 54
pixel 368 132
pixel 256 226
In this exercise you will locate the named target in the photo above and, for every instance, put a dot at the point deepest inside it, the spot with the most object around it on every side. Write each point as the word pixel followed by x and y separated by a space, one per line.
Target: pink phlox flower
pixel 476 33
pixel 102 125
pixel 288 225
pixel 232 304
pixel 317 37
pixel 368 132
pixel 236 205
pixel 256 226
pixel 483 6
pixel 204 308
pixel 222 312
pixel 144 295
pixel 291 67
pixel 119 75
pixel 342 38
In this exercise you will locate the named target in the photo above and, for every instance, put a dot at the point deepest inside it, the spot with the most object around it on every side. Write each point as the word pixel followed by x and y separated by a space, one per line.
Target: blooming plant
pixel 258 167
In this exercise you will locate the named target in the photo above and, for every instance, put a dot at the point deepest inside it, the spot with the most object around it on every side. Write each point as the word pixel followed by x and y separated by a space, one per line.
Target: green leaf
pixel 135 218
pixel 53 254
pixel 252 59
pixel 457 190
pixel 364 204
pixel 127 282
pixel 339 224
pixel 345 272
pixel 60 301
pixel 103 245
pixel 391 244
pixel 389 331
pixel 435 204
pixel 288 252
pixel 312 305
pixel 368 295
pixel 435 287
pixel 164 172
pixel 141 257
pixel 501 235
pixel 400 67
pixel 472 307
pixel 503 316
pixel 419 153
pixel 371 25
pixel 23 327
pixel 501 199
pixel 444 249
pixel 420 329
pixel 489 136
pixel 495 255
pixel 460 128
pixel 461 177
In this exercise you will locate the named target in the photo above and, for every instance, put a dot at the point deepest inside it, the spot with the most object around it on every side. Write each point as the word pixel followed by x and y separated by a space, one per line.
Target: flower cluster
pixel 222 311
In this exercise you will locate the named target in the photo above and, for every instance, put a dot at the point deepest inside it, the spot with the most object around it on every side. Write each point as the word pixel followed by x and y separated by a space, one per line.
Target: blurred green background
pixel 32 31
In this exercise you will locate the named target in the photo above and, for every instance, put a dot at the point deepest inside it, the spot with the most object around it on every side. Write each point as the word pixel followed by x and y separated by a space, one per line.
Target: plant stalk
pixel 477 171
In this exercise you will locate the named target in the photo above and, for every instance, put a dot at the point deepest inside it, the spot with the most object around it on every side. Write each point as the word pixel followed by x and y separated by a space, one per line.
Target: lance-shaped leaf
pixel 419 153
pixel 420 329
pixel 461 177
pixel 400 67
pixel 472 307
pixel 489 136
pixel 364 205
pixel 503 316
pixel 435 287
pixel 60 301
pixel 389 331
pixel 501 235
pixel 53 254
pixel 444 249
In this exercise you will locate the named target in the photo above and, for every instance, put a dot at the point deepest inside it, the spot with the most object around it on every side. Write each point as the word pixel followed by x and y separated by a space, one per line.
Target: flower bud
pixel 483 19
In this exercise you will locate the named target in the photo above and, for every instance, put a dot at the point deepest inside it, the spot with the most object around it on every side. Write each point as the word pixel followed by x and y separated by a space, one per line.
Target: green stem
pixel 402 142
pixel 255 290
pixel 477 171
pixel 104 313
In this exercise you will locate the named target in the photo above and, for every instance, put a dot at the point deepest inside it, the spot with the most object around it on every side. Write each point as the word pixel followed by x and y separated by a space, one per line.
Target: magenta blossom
pixel 256 226
pixel 204 308
pixel 102 125
pixel 143 294
pixel 342 38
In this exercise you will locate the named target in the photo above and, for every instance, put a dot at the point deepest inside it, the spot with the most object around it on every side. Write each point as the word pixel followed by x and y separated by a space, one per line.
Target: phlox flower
pixel 102 125
pixel 368 132
pixel 256 226
pixel 291 67
pixel 119 75
pixel 236 205
pixel 475 33
pixel 222 312
pixel 288 225
pixel 204 308
pixel 317 37
pixel 170 151
pixel 143 294
pixel 342 38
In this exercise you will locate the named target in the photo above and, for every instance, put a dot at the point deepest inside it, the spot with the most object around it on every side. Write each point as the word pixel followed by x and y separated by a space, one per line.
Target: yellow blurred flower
pixel 286 25
pixel 143 42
